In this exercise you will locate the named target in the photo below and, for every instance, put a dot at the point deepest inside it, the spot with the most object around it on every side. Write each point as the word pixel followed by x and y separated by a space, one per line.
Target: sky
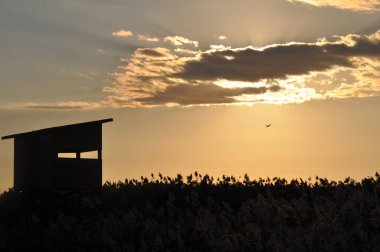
pixel 191 84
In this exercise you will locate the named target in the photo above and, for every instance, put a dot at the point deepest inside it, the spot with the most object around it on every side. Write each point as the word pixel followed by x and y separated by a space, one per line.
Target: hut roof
pixel 57 129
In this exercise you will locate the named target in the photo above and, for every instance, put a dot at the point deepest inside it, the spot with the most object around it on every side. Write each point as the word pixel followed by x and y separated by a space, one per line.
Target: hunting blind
pixel 53 158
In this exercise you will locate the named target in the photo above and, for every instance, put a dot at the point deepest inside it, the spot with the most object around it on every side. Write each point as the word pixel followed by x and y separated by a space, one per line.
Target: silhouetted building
pixel 50 159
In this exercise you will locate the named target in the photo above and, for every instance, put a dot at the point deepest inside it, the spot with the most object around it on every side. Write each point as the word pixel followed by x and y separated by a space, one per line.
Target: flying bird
pixel 268 125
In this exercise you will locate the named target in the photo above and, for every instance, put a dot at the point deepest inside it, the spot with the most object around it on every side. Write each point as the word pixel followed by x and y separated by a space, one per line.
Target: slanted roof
pixel 52 129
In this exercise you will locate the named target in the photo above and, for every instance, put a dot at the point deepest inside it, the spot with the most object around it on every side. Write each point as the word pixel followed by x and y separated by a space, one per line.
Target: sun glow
pixel 292 90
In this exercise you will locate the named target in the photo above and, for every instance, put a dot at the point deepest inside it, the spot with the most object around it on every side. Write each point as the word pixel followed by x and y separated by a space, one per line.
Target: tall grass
pixel 198 213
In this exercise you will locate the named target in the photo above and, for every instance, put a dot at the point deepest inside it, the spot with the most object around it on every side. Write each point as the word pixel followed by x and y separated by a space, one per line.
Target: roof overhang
pixel 52 129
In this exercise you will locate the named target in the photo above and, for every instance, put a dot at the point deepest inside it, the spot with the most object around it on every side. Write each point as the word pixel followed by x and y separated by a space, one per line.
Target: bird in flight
pixel 268 125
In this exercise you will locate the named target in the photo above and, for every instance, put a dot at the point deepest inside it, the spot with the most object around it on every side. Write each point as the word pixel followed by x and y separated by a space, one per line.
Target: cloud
pixel 345 67
pixel 159 76
pixel 355 5
pixel 71 105
pixel 180 41
pixel 359 82
pixel 147 38
pixel 279 61
pixel 122 33
pixel 186 51
pixel 187 94
pixel 222 37
pixel 143 74
pixel 155 52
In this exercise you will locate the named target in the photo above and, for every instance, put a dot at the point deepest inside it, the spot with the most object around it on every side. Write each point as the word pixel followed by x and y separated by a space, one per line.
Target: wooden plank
pixel 46 162
pixel 78 139
pixel 26 164
pixel 77 174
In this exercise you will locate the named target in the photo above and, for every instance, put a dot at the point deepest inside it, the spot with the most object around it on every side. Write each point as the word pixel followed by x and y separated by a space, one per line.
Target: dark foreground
pixel 197 214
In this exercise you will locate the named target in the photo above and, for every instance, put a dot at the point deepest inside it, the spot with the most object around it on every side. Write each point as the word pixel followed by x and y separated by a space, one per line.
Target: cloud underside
pixel 355 5
pixel 348 66
pixel 185 94
pixel 276 62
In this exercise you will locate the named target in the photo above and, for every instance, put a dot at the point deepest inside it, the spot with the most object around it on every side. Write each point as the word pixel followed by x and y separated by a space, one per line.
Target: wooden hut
pixel 39 162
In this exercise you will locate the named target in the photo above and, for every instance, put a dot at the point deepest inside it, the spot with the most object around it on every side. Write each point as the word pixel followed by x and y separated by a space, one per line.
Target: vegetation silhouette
pixel 197 213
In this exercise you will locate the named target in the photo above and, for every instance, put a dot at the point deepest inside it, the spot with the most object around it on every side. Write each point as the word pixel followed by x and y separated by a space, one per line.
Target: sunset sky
pixel 191 84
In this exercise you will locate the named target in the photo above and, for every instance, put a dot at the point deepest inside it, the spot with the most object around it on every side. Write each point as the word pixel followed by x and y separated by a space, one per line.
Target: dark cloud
pixel 363 47
pixel 187 94
pixel 151 52
pixel 277 62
